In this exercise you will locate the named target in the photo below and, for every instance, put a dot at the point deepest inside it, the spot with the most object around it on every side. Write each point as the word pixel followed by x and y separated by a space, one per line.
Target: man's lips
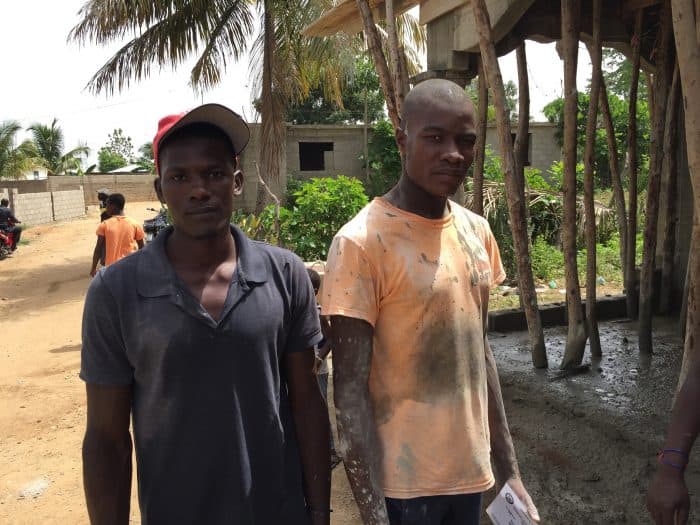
pixel 450 173
pixel 202 211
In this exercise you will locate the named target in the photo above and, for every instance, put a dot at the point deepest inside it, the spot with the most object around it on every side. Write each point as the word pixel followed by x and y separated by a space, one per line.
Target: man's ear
pixel 401 140
pixel 159 190
pixel 237 182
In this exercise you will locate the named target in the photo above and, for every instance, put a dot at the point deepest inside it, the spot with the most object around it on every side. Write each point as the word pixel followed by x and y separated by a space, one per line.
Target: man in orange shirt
pixel 418 403
pixel 117 236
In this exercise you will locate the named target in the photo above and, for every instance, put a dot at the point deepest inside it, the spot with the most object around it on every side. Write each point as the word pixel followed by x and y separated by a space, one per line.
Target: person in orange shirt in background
pixel 418 402
pixel 117 236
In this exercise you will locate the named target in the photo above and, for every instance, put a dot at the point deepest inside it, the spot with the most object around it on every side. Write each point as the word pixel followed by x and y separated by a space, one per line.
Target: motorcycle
pixel 151 227
pixel 7 240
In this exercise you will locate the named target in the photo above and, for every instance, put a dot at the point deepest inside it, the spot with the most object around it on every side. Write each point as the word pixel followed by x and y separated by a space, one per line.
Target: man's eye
pixel 216 174
pixel 178 177
pixel 436 138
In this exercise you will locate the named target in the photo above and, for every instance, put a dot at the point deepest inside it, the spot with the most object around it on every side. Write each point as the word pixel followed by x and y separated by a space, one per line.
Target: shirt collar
pixel 156 277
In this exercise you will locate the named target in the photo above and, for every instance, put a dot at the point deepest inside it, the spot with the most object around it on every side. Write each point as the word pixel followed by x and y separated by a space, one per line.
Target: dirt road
pixel 586 445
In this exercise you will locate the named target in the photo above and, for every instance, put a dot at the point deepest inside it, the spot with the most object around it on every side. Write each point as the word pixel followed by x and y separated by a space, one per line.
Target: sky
pixel 45 77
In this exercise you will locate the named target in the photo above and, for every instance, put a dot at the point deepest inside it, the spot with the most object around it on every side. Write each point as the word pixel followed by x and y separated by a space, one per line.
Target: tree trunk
pixel 630 263
pixel 670 191
pixel 576 337
pixel 596 52
pixel 521 137
pixel 272 126
pixel 685 23
pixel 615 176
pixel 514 192
pixel 480 146
pixel 662 80
pixel 375 47
pixel 395 60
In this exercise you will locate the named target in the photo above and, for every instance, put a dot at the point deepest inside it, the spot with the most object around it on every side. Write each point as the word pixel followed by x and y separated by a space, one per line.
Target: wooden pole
pixel 394 54
pixel 374 44
pixel 687 37
pixel 662 81
pixel 670 191
pixel 514 192
pixel 480 146
pixel 615 176
pixel 630 263
pixel 596 52
pixel 576 337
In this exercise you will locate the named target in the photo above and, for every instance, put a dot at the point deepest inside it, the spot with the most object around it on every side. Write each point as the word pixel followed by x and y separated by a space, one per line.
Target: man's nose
pixel 200 189
pixel 452 153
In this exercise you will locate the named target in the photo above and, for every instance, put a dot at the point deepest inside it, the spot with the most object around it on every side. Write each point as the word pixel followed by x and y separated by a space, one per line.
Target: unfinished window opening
pixel 311 155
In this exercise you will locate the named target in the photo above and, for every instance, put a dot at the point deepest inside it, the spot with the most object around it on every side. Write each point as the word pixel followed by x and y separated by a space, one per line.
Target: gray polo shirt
pixel 214 434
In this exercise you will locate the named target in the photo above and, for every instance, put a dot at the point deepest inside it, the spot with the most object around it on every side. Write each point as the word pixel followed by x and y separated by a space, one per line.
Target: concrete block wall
pixel 4 193
pixel 32 208
pixel 68 204
pixel 135 188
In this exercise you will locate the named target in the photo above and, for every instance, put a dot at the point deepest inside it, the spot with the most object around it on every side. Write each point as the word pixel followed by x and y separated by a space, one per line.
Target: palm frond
pixel 167 33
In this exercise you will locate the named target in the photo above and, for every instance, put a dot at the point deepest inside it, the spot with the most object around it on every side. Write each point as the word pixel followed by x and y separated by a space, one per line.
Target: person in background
pixel 8 223
pixel 117 236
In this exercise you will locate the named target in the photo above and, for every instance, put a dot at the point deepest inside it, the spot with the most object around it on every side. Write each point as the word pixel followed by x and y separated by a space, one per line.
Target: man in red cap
pixel 206 338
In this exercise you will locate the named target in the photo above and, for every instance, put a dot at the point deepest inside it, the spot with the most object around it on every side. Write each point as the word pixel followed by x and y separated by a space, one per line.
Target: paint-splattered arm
pixel 359 445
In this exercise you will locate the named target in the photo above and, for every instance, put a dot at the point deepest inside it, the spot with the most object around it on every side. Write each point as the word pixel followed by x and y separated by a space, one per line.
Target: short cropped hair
pixel 4 202
pixel 117 199
pixel 315 278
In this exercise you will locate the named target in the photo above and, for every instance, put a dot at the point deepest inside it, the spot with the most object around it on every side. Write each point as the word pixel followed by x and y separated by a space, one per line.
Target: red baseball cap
pixel 228 121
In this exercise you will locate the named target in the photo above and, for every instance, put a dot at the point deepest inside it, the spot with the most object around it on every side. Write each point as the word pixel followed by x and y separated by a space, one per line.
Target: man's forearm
pixel 685 421
pixel 359 447
pixel 502 448
pixel 107 479
pixel 315 456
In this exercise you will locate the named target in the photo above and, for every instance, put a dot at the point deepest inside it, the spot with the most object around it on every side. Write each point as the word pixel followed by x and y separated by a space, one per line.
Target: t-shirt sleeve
pixel 138 232
pixel 103 359
pixel 349 286
pixel 101 229
pixel 498 274
pixel 305 331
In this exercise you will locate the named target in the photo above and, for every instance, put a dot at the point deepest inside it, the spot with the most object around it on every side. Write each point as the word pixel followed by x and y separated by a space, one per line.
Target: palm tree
pixel 49 144
pixel 166 33
pixel 16 161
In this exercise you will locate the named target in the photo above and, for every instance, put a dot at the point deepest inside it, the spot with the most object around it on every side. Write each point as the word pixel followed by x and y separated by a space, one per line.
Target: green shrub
pixel 322 207
pixel 547 261
pixel 384 160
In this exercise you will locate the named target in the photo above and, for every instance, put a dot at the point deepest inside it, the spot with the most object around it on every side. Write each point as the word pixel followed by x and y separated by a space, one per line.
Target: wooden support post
pixel 480 146
pixel 576 337
pixel 615 176
pixel 662 81
pixel 670 190
pixel 596 52
pixel 514 193
pixel 687 36
pixel 630 263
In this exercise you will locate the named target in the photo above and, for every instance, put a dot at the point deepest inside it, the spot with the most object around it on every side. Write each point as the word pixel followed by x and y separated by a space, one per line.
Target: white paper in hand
pixel 507 509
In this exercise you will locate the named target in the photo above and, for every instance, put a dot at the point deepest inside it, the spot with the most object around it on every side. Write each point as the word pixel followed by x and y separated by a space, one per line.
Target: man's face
pixel 198 180
pixel 438 146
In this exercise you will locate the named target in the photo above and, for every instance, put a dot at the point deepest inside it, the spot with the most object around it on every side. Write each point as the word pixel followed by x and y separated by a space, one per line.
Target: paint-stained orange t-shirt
pixel 120 233
pixel 423 285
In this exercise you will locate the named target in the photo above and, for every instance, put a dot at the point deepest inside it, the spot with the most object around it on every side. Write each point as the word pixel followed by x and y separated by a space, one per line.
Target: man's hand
pixel 517 485
pixel 667 499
